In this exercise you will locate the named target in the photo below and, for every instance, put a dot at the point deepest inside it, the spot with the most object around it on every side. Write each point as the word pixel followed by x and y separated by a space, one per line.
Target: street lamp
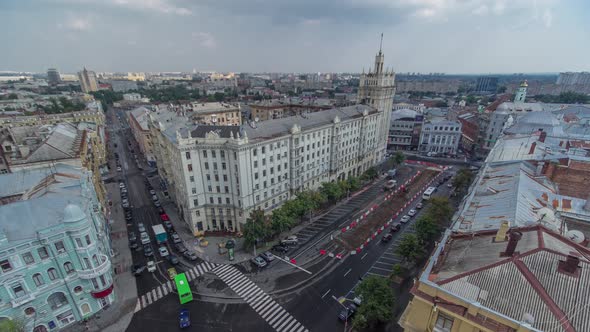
pixel 347 311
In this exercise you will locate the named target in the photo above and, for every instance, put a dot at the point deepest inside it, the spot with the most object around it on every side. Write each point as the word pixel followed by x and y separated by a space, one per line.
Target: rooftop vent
pixel 570 266
pixel 512 243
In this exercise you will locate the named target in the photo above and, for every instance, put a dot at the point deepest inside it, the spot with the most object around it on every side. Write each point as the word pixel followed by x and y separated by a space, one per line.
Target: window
pixel 443 323
pixel 87 263
pixel 263 149
pixel 218 200
pixel 222 154
pixel 216 177
pixel 79 242
pixel 38 279
pixel 198 213
pixel 5 265
pixel 195 202
pixel 255 152
pixel 18 290
pixel 52 273
pixel 218 189
pixel 206 165
pixel 227 200
pixel 223 166
pixel 69 267
pixel 224 177
pixel 191 178
pixel 28 258
pixel 205 153
pixel 59 245
pixel 194 190
pixel 66 318
pixel 213 154
pixel 188 155
pixel 210 188
pixel 256 176
pixel 29 311
pixel 87 237
pixel 208 177
pixel 190 167
pixel 78 289
pixel 226 190
pixel 211 200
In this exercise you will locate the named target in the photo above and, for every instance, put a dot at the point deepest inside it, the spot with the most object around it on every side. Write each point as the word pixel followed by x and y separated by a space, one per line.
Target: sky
pixel 450 36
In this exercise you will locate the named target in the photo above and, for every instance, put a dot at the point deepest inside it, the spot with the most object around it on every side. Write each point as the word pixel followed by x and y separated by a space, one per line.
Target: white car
pixel 145 238
pixel 405 219
pixel 152 192
pixel 125 203
pixel 450 184
pixel 121 185
pixel 119 169
pixel 163 251
pixel 412 213
pixel 176 238
pixel 151 266
pixel 141 227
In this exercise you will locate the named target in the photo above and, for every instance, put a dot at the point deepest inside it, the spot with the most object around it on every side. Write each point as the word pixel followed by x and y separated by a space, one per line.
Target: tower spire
pixel 381 43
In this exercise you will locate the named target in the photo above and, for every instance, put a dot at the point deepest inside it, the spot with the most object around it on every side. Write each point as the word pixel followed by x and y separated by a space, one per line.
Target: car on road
pixel 419 205
pixel 137 269
pixel 191 256
pixel 145 238
pixel 119 169
pixel 258 261
pixel 133 245
pixel 132 236
pixel 125 202
pixel 184 318
pixel 405 219
pixel 172 273
pixel 290 240
pixel 155 198
pixel 268 256
pixel 386 238
pixel 395 227
pixel 157 204
pixel 280 248
pixel 168 225
pixel 163 251
pixel 450 185
pixel 164 217
pixel 412 213
pixel 175 238
pixel 121 185
pixel 151 266
pixel 141 227
pixel 152 192
pixel 180 248
pixel 347 312
pixel 173 259
pixel 148 251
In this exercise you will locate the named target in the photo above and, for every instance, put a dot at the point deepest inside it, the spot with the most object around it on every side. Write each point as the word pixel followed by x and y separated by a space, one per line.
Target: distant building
pixel 55 248
pixel 486 84
pixel 405 129
pixel 53 77
pixel 214 113
pixel 569 78
pixel 469 130
pixel 123 85
pixel 132 97
pixel 88 81
pixel 280 108
pixel 520 95
pixel 138 123
pixel 440 137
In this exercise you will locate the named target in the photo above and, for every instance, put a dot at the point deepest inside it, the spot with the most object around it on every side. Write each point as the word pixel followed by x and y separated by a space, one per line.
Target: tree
pixel 399 157
pixel 501 89
pixel 426 228
pixel 440 210
pixel 255 228
pixel 370 174
pixel 295 208
pixel 378 301
pixel 12 325
pixel 463 179
pixel 397 271
pixel 409 248
pixel 354 183
pixel 311 200
pixel 331 190
pixel 281 221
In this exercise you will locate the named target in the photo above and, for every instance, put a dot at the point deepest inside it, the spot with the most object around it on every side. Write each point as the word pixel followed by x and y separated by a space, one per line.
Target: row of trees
pixel 61 105
pixel 107 97
pixel 377 305
pixel 260 228
pixel 565 98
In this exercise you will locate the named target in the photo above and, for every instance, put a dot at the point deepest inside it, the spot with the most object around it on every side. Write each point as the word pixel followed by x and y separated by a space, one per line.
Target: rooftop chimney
pixel 532 149
pixel 512 243
pixel 501 234
pixel 542 136
pixel 570 265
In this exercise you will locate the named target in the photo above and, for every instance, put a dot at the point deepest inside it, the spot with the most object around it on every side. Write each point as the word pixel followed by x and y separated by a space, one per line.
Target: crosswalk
pixel 164 289
pixel 277 317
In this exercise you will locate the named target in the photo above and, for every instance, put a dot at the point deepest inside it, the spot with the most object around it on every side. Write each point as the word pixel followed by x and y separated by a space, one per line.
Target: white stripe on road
pixel 365 255
pixel 347 272
pixel 326 293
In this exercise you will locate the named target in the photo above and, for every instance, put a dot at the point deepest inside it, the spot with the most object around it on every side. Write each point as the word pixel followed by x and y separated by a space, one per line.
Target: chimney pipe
pixel 542 136
pixel 512 243
pixel 532 149
pixel 571 264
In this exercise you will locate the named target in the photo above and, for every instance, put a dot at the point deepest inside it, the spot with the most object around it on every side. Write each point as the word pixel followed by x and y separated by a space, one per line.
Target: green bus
pixel 184 290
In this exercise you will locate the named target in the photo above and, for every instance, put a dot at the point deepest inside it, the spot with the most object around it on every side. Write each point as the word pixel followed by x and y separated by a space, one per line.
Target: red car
pixel 164 217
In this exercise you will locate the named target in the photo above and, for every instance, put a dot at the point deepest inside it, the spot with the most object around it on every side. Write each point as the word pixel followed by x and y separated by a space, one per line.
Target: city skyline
pixel 169 35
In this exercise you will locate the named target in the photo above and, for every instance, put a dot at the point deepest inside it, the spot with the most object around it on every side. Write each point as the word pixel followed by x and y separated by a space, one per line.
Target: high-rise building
pixel 486 84
pixel 53 76
pixel 570 78
pixel 88 81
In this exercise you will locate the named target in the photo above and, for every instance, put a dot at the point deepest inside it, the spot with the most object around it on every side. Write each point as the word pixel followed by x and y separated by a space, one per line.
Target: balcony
pixel 22 300
pixel 102 293
pixel 102 268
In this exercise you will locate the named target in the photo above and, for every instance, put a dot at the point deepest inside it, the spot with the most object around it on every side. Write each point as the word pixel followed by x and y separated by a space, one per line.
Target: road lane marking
pixel 365 255
pixel 326 293
pixel 347 272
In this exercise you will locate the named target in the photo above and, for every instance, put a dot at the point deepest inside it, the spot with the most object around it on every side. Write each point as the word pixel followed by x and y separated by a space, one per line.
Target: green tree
pixel 12 96
pixel 332 191
pixel 295 208
pixel 256 228
pixel 463 179
pixel 399 157
pixel 501 89
pixel 378 301
pixel 439 209
pixel 370 174
pixel 311 200
pixel 397 271
pixel 12 325
pixel 281 221
pixel 426 228
pixel 218 96
pixel 354 183
pixel 409 248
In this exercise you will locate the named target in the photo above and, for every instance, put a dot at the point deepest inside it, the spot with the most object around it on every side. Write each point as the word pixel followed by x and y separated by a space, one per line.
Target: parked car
pixel 145 238
pixel 290 240
pixel 191 256
pixel 125 203
pixel 121 185
pixel 155 198
pixel 168 225
pixel 175 238
pixel 137 269
pixel 268 256
pixel 133 245
pixel 152 192
pixel 184 318
pixel 347 312
pixel 119 169
pixel 180 248
pixel 386 238
pixel 132 236
pixel 151 266
pixel 141 227
pixel 173 259
pixel 157 204
pixel 358 300
pixel 148 251
pixel 258 261
pixel 280 248
pixel 124 190
pixel 395 227
pixel 164 217
pixel 412 213
pixel 172 273
pixel 405 219
pixel 161 210
pixel 450 185
pixel 419 205
pixel 128 216
pixel 163 251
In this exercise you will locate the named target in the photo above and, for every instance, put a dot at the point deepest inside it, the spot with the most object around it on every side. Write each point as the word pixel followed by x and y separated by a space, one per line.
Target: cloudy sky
pixel 452 36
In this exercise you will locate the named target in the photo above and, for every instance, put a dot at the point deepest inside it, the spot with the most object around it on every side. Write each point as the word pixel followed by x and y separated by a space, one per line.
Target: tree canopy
pixel 377 302
pixel 409 248
pixel 256 228
pixel 463 179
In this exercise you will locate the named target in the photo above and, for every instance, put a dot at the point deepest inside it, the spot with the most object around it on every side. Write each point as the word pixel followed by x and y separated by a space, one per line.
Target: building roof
pixel 141 115
pixel 35 199
pixel 403 113
pixel 503 192
pixel 529 285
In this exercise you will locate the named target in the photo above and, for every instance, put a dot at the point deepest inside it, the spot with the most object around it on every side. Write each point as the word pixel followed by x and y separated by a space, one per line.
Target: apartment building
pixel 55 249
pixel 440 136
pixel 223 114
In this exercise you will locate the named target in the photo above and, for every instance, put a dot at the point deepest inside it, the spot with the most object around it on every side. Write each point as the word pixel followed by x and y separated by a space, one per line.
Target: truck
pixel 160 233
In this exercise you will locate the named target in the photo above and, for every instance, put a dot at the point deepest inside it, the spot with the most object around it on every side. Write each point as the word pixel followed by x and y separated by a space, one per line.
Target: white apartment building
pixel 440 137
pixel 217 174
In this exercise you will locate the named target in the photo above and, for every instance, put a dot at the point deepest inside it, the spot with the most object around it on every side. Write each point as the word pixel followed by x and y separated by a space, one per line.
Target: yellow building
pixel 522 279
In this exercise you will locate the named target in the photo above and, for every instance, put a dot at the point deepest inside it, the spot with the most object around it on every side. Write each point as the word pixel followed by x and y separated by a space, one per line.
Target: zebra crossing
pixel 274 314
pixel 164 289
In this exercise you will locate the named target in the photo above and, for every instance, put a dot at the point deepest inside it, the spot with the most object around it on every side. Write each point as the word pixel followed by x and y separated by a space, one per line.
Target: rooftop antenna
pixel 381 43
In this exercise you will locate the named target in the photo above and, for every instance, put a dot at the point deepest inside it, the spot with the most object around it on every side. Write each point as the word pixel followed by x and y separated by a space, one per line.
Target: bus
pixel 184 290
pixel 428 193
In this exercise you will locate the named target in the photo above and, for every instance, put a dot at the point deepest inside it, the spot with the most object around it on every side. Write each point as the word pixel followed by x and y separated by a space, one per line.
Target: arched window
pixel 52 274
pixel 77 289
pixel 85 308
pixel 69 267
pixel 40 328
pixel 95 260
pixel 57 300
pixel 29 311
pixel 38 279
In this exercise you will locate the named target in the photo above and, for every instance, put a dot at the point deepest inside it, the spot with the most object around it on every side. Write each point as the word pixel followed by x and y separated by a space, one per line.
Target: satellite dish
pixel 575 236
pixel 546 216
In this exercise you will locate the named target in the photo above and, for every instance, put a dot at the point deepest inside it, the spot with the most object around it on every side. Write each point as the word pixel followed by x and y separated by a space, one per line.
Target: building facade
pixel 55 249
pixel 486 84
pixel 440 137
pixel 405 129
pixel 53 77
pixel 88 81
pixel 138 123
